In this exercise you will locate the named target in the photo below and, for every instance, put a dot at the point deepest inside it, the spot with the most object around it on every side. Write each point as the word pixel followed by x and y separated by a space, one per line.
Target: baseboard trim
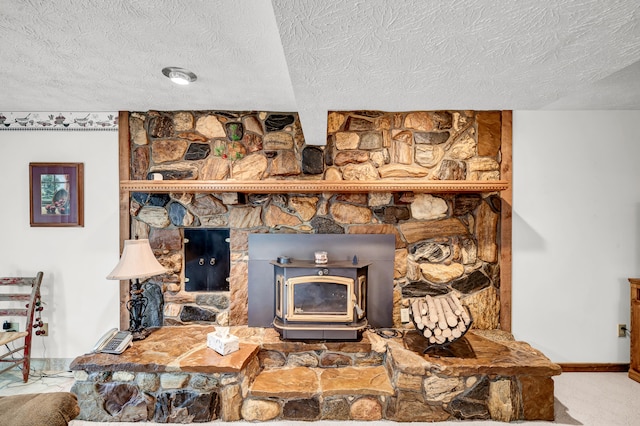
pixel 50 364
pixel 594 368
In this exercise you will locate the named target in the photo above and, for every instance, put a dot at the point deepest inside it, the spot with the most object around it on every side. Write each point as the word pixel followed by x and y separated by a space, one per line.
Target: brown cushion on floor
pixel 38 409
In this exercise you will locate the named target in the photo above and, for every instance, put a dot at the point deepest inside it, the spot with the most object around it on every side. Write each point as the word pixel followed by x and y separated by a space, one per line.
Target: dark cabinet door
pixel 206 253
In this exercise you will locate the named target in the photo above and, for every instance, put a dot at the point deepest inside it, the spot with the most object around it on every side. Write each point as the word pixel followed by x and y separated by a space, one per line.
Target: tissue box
pixel 223 344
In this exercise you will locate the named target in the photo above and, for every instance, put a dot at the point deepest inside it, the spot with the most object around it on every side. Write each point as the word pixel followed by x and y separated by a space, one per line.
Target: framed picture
pixel 56 194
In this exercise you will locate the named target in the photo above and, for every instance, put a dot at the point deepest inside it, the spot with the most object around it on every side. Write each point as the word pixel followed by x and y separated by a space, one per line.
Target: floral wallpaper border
pixel 69 121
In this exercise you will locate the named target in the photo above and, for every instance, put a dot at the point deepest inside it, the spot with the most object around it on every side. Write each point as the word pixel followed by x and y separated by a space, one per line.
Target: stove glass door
pixel 320 299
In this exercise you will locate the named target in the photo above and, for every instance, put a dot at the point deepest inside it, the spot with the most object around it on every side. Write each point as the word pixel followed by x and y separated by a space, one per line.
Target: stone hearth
pixel 172 376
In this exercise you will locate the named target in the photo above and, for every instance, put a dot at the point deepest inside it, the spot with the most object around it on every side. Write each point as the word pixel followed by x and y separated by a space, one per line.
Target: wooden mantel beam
pixel 312 186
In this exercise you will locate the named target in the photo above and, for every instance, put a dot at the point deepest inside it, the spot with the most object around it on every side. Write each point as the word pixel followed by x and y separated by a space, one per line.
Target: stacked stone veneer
pixel 444 242
pixel 325 381
pixel 161 397
pixel 171 377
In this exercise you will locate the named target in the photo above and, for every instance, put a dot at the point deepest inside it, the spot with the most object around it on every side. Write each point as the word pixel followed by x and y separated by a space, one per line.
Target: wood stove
pixel 320 301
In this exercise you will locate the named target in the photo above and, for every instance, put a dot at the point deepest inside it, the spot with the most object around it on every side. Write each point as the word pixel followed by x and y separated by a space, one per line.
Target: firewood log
pixel 463 311
pixel 452 320
pixel 457 302
pixel 426 316
pixel 454 308
pixel 431 307
pixel 465 317
pixel 415 308
pixel 423 307
pixel 442 320
pixel 415 311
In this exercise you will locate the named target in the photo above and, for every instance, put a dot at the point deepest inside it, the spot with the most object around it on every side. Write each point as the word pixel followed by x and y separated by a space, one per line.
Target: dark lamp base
pixel 142 334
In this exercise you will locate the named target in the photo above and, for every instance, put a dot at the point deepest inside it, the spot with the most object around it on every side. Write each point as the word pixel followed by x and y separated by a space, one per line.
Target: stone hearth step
pixel 306 382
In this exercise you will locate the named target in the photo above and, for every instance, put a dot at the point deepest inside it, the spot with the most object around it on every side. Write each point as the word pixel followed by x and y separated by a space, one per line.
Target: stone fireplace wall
pixel 444 242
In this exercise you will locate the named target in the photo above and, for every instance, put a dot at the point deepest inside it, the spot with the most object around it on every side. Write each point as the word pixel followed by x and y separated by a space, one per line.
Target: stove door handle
pixel 359 310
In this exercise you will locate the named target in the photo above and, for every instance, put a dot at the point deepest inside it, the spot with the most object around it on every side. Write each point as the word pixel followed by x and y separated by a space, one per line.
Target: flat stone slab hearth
pixel 172 376
pixel 355 381
pixel 305 382
pixel 481 352
pixel 170 349
pixel 297 382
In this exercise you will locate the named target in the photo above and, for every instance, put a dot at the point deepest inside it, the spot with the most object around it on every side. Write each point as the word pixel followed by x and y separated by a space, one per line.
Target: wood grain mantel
pixel 274 186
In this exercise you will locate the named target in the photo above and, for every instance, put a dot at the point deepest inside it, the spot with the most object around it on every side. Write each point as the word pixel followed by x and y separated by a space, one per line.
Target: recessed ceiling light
pixel 179 75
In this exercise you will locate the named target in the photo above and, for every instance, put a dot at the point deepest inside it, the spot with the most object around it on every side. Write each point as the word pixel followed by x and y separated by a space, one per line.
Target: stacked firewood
pixel 440 319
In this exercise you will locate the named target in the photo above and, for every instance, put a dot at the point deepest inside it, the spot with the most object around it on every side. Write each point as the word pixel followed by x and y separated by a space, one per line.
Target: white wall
pixel 576 233
pixel 80 304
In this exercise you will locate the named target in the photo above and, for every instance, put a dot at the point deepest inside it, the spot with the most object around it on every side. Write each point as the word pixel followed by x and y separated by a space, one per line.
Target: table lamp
pixel 137 261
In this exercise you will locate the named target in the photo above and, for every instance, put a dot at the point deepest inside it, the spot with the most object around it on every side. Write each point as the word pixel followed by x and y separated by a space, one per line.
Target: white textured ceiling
pixel 313 56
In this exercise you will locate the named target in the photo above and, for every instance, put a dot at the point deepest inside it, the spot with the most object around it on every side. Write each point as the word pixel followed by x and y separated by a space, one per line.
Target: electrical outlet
pixel 45 329
pixel 404 315
pixel 622 330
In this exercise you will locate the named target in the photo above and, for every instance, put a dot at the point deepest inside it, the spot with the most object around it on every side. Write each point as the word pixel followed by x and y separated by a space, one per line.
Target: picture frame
pixel 56 194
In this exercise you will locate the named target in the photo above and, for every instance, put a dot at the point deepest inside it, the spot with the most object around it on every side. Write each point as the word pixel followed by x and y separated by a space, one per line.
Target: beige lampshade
pixel 137 261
